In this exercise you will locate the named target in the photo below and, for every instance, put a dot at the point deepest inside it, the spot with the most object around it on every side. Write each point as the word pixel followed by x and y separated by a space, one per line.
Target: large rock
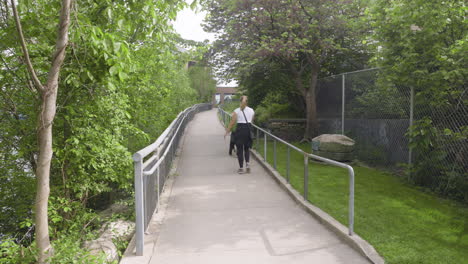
pixel 333 146
pixel 119 229
pixel 346 156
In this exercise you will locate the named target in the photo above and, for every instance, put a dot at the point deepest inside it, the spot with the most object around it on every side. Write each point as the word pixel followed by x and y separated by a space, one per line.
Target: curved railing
pixel 152 167
pixel 226 118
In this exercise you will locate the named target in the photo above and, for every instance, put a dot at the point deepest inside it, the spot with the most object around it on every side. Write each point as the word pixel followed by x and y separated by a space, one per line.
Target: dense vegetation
pixel 121 77
pixel 277 49
pixel 418 46
pixel 423 47
pixel 122 81
pixel 298 41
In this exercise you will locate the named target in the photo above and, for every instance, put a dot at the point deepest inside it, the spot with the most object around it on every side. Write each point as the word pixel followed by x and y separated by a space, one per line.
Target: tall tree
pixel 46 114
pixel 422 45
pixel 120 56
pixel 302 36
pixel 202 80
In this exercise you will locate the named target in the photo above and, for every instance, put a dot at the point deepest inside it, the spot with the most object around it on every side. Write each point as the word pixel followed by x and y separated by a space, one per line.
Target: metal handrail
pixel 155 154
pixel 227 118
pixel 155 166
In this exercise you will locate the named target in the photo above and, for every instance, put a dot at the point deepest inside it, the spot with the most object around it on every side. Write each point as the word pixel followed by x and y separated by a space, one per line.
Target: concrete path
pixel 215 215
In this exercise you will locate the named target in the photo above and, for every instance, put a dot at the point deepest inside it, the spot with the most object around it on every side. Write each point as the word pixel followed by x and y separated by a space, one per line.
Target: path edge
pixel 129 256
pixel 355 241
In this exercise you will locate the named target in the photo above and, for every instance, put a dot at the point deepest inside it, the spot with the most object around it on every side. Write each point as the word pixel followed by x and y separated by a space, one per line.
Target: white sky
pixel 188 25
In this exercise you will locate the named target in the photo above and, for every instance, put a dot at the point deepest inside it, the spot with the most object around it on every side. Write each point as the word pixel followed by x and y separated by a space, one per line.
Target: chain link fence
pixel 378 116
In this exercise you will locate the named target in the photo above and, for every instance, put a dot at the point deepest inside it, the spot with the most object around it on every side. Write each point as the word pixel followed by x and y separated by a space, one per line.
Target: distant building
pixel 223 93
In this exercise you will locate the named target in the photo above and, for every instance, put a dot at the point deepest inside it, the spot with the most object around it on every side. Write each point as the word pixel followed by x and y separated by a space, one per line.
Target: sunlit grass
pixel 403 223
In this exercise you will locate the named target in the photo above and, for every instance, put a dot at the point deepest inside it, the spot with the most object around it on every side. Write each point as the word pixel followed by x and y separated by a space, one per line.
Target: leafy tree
pixel 269 86
pixel 202 80
pixel 122 82
pixel 46 113
pixel 304 37
pixel 422 45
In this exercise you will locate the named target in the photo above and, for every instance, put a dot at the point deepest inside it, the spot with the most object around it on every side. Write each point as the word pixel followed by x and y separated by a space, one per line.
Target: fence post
pixel 411 124
pixel 306 176
pixel 274 154
pixel 158 178
pixel 411 119
pixel 288 164
pixel 258 140
pixel 351 201
pixel 139 221
pixel 265 147
pixel 342 103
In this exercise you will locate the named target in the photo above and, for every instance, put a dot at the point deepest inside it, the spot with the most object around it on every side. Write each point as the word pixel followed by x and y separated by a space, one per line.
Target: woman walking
pixel 243 116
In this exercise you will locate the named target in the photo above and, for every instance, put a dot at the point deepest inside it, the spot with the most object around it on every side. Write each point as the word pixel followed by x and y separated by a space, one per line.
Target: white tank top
pixel 249 113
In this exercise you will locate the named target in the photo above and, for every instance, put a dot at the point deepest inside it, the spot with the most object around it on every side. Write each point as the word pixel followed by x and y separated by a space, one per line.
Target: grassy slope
pixel 404 224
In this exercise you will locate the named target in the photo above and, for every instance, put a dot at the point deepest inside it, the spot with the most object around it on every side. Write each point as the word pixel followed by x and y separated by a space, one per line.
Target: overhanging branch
pixel 36 81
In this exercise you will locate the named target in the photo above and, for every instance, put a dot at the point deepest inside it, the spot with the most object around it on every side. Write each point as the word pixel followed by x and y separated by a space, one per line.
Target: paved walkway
pixel 214 215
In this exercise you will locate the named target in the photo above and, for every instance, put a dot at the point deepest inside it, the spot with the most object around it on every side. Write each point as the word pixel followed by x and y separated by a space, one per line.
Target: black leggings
pixel 243 144
pixel 242 150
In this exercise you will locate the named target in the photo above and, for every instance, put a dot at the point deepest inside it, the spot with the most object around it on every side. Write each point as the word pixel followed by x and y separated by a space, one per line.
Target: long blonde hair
pixel 243 102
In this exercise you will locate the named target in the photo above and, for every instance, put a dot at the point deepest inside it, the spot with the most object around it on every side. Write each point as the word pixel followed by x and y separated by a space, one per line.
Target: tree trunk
pixel 311 130
pixel 44 130
pixel 46 116
pixel 309 96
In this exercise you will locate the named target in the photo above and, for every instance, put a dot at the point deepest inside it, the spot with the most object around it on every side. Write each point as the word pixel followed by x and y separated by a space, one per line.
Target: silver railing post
pixel 274 154
pixel 351 200
pixel 342 104
pixel 258 139
pixel 224 118
pixel 306 176
pixel 411 120
pixel 158 183
pixel 139 208
pixel 264 146
pixel 288 163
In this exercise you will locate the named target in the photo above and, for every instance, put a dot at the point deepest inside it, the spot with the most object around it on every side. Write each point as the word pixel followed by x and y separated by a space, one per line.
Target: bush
pixel 436 149
pixel 273 106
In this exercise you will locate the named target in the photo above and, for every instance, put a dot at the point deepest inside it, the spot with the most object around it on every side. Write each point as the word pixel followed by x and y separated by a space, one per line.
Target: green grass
pixel 404 224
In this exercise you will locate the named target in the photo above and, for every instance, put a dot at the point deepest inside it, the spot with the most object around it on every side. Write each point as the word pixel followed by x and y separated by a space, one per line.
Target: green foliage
pixel 268 78
pixel 431 169
pixel 299 40
pixel 375 97
pixel 121 245
pixel 12 252
pixel 422 45
pixel 273 106
pixel 123 81
pixel 68 249
pixel 202 80
pixel 230 106
pixel 69 217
